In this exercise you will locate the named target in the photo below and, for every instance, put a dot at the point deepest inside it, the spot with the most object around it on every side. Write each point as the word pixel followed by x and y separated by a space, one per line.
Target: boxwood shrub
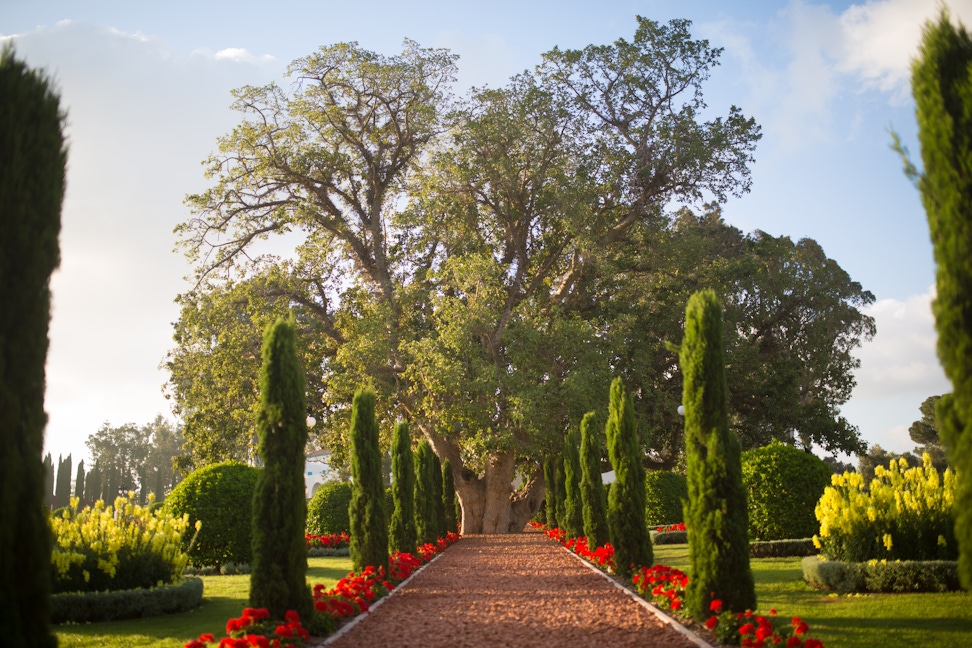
pixel 327 511
pixel 221 496
pixel 783 484
pixel 881 576
pixel 664 493
pixel 782 548
pixel 88 607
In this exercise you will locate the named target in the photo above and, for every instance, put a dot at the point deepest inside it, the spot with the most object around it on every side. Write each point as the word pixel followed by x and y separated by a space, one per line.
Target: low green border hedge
pixel 903 576
pixel 669 537
pixel 83 607
pixel 782 548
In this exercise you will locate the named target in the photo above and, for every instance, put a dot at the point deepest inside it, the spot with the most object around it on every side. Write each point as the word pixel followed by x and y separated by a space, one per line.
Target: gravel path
pixel 518 590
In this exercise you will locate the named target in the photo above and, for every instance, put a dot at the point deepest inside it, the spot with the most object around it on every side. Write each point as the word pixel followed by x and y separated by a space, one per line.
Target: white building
pixel 317 470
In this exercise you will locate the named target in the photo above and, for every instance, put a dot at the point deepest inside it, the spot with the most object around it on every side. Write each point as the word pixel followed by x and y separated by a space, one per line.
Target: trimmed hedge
pixel 670 537
pixel 87 607
pixel 664 493
pixel 783 548
pixel 221 495
pixel 874 576
pixel 327 511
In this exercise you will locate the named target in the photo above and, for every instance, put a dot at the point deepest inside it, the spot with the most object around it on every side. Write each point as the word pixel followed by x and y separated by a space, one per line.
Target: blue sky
pixel 146 87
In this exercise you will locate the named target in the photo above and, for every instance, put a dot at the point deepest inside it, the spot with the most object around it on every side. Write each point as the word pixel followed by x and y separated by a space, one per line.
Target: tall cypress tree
pixel 573 506
pixel 550 479
pixel 369 528
pixel 278 580
pixel 449 497
pixel 942 86
pixel 48 480
pixel 591 486
pixel 401 533
pixel 560 493
pixel 425 520
pixel 715 513
pixel 79 482
pixel 92 484
pixel 32 158
pixel 441 526
pixel 626 500
pixel 62 489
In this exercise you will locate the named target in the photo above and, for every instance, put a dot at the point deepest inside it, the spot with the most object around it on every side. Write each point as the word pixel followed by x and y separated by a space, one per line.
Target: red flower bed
pixel 331 541
pixel 671 527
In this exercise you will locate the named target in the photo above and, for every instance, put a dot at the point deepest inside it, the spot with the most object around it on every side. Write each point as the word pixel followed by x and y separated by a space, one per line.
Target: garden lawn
pixel 852 621
pixel 224 597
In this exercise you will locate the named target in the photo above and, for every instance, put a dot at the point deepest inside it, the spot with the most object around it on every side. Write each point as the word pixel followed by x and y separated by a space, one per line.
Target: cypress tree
pixel 278 580
pixel 32 158
pixel 62 491
pixel 573 506
pixel 591 487
pixel 626 500
pixel 401 534
pixel 715 513
pixel 560 493
pixel 79 482
pixel 449 498
pixel 942 87
pixel 550 479
pixel 425 522
pixel 369 529
pixel 441 525
pixel 92 484
pixel 48 480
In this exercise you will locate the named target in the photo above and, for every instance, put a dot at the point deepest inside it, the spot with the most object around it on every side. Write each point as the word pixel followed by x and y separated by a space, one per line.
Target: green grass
pixel 855 621
pixel 224 597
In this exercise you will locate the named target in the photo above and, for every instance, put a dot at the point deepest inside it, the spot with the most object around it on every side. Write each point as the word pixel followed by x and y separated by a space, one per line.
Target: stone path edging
pixel 353 622
pixel 664 618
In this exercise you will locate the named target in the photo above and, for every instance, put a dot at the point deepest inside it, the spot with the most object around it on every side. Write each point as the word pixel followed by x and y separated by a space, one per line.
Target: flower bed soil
pixel 509 590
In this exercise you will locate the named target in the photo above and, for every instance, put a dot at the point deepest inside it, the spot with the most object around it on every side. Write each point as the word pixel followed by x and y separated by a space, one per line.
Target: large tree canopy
pixel 485 264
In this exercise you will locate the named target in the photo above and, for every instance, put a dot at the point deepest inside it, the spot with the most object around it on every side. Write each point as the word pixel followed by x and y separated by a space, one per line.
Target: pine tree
pixel 369 529
pixel 278 577
pixel 449 497
pixel 592 488
pixel 626 500
pixel 401 534
pixel 942 87
pixel 573 506
pixel 32 158
pixel 715 513
pixel 425 521
pixel 79 482
pixel 550 478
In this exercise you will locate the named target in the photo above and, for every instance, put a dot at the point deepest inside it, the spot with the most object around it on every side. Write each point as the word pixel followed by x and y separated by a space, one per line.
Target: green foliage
pixel 401 533
pixel 79 481
pixel 573 503
pixel 278 576
pixel 593 496
pixel 92 607
pixel 452 512
pixel 221 497
pixel 48 480
pixel 137 458
pixel 780 548
pixel 626 500
pixel 715 512
pixel 782 486
pixel 369 524
pixel 670 537
pixel 665 492
pixel 62 487
pixel 942 87
pixel 903 514
pixel 33 156
pixel 327 511
pixel 550 500
pixel 439 495
pixel 425 501
pixel 881 576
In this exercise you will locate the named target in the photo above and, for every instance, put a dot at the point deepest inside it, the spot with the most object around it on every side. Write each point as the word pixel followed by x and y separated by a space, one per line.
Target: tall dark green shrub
pixel 401 533
pixel 278 576
pixel 449 497
pixel 79 481
pixel 62 489
pixel 665 491
pixel 32 161
pixel 715 513
pixel 440 514
pixel 550 479
pixel 369 526
pixel 783 485
pixel 560 494
pixel 92 484
pixel 626 501
pixel 592 488
pixel 942 86
pixel 327 510
pixel 425 520
pixel 48 480
pixel 573 505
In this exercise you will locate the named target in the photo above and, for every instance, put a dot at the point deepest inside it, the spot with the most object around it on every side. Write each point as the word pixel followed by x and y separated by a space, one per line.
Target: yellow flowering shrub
pixel 117 547
pixel 903 514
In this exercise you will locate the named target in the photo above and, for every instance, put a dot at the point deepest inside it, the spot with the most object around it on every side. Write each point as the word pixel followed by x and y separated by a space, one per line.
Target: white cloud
pixel 240 55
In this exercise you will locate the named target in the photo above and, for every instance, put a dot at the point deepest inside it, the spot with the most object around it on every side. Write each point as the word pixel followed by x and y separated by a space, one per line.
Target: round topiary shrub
pixel 221 496
pixel 664 493
pixel 327 511
pixel 783 484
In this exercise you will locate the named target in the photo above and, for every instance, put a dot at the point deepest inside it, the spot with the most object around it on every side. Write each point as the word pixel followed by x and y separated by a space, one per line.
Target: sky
pixel 146 88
